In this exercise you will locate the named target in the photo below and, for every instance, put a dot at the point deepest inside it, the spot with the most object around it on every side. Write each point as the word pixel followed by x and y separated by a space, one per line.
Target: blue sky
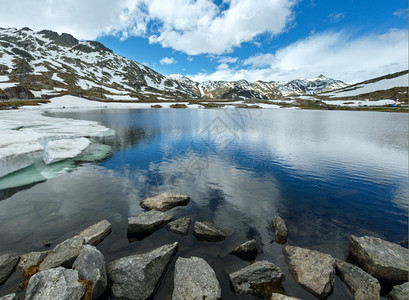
pixel 235 39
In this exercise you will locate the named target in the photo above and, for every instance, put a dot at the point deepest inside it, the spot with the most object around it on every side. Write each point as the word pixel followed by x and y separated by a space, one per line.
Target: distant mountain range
pixel 49 64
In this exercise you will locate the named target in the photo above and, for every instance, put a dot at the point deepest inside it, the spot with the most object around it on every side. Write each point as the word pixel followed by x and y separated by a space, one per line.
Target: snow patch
pixel 63 149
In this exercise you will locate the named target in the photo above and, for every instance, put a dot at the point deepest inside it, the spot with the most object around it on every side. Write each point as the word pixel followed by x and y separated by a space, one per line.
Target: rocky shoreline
pixel 76 269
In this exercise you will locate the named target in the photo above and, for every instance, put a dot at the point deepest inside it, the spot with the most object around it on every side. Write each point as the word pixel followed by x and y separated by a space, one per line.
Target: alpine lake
pixel 328 174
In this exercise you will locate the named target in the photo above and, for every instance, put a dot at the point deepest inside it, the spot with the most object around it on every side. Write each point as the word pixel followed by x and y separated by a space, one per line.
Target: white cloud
pixel 401 12
pixel 227 60
pixel 336 17
pixel 167 61
pixel 333 54
pixel 190 26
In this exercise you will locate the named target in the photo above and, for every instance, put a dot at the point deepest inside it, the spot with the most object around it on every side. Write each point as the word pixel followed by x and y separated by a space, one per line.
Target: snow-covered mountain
pixel 47 63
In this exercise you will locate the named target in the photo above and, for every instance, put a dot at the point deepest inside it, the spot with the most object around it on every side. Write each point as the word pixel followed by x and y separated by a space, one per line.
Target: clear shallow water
pixel 329 174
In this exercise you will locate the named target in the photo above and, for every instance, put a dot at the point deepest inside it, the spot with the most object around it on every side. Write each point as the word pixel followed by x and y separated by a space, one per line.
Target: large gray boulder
pixel 195 279
pixel 59 283
pixel 138 276
pixel 94 234
pixel 280 230
pixel 90 265
pixel 383 260
pixel 179 226
pixel 146 223
pixel 399 292
pixel 31 259
pixel 165 201
pixel 313 270
pixel 276 296
pixel 18 92
pixel 206 231
pixel 260 279
pixel 9 297
pixel 64 254
pixel 7 264
pixel 246 251
pixel 362 285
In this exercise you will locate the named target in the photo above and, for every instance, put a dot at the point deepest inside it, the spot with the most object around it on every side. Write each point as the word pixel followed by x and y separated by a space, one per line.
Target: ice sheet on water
pixel 63 149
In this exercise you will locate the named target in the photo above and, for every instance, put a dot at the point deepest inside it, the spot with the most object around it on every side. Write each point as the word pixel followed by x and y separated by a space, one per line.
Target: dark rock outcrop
pixel 7 264
pixel 180 226
pixel 18 92
pixel 195 279
pixel 206 231
pixel 383 260
pixel 261 279
pixel 313 270
pixel 66 40
pixel 138 276
pixel 246 251
pixel 399 292
pixel 280 230
pixel 146 223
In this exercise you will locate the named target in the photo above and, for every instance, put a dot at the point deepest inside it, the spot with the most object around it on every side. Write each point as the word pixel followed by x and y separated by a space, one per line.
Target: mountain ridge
pixel 52 64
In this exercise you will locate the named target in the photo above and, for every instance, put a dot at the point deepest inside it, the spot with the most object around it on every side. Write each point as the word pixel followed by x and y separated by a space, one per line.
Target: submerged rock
pixel 59 283
pixel 195 279
pixel 276 296
pixel 146 223
pixel 90 265
pixel 7 264
pixel 399 292
pixel 206 231
pixel 64 254
pixel 31 259
pixel 280 230
pixel 362 285
pixel 261 278
pixel 164 201
pixel 246 251
pixel 138 276
pixel 383 260
pixel 313 270
pixel 94 234
pixel 180 226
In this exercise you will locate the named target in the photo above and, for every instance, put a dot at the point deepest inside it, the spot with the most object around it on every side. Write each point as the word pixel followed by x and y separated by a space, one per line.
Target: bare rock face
pixel 261 279
pixel 31 259
pixel 399 292
pixel 383 260
pixel 313 270
pixel 146 223
pixel 138 276
pixel 7 264
pixel 206 231
pixel 59 283
pixel 9 297
pixel 180 226
pixel 246 251
pixel 165 201
pixel 362 285
pixel 280 230
pixel 276 296
pixel 195 279
pixel 64 254
pixel 90 265
pixel 94 234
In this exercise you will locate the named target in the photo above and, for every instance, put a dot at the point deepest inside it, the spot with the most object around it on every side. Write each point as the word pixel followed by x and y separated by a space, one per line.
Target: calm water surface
pixel 329 174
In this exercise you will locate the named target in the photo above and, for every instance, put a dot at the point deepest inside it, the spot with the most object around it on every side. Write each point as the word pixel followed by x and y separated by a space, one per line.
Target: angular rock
pixel 180 226
pixel 261 279
pixel 59 283
pixel 7 264
pixel 31 259
pixel 195 279
pixel 246 251
pixel 399 292
pixel 164 201
pixel 313 270
pixel 64 254
pixel 276 296
pixel 383 260
pixel 94 234
pixel 146 223
pixel 90 265
pixel 138 276
pixel 362 285
pixel 206 231
pixel 280 230
pixel 9 297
